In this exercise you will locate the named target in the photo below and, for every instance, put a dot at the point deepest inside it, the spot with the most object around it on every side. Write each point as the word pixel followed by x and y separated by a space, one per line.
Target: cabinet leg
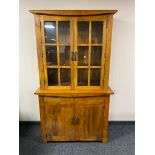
pixel 105 123
pixel 105 138
pixel 44 141
pixel 42 119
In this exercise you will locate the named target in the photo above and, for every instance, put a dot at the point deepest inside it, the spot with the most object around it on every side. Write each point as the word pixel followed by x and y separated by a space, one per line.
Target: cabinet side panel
pixel 108 50
pixel 42 119
pixel 39 50
pixel 105 120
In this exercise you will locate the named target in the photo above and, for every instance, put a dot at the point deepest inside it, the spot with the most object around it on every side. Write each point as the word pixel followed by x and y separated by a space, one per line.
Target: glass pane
pixel 97 32
pixel 96 54
pixel 64 32
pixel 82 55
pixel 82 77
pixel 64 55
pixel 52 76
pixel 95 77
pixel 83 32
pixel 65 77
pixel 50 32
pixel 51 55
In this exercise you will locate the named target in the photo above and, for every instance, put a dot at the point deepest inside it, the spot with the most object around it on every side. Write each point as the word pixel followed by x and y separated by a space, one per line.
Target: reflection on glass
pixel 64 32
pixel 51 55
pixel 52 74
pixel 82 56
pixel 82 77
pixel 64 55
pixel 95 77
pixel 65 77
pixel 96 54
pixel 83 32
pixel 50 32
pixel 97 32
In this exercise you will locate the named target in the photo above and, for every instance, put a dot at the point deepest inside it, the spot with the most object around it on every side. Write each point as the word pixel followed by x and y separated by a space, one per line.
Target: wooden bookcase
pixel 73 48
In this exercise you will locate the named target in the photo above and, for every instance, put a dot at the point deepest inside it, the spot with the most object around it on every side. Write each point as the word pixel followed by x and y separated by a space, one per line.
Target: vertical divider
pixel 103 53
pixel 39 50
pixel 75 49
pixel 58 51
pixel 71 50
pixel 89 53
pixel 44 52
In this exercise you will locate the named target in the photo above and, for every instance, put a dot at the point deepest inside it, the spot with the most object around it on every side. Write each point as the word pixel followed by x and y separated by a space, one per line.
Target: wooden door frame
pixel 89 19
pixel 44 18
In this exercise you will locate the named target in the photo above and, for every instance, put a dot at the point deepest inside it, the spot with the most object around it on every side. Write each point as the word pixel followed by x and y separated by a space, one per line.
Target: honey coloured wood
pixel 73 48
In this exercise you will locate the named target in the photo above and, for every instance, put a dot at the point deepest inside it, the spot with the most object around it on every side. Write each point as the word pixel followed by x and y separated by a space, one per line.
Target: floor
pixel 121 142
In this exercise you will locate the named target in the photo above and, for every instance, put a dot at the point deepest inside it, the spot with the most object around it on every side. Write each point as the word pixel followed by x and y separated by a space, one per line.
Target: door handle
pixel 74 56
pixel 75 120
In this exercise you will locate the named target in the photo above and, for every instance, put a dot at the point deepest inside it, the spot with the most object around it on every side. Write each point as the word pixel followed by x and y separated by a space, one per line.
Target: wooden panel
pixel 59 113
pixel 89 112
pixel 42 119
pixel 73 12
pixel 107 51
pixel 39 50
pixel 105 121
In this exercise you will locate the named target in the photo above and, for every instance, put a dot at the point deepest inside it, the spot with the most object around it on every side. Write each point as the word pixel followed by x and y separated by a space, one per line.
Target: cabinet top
pixel 73 12
pixel 74 93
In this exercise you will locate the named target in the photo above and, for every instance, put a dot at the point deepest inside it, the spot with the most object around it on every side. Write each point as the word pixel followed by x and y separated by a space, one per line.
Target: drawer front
pixel 59 113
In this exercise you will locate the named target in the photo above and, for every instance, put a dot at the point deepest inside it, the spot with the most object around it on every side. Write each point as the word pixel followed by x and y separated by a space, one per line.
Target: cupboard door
pixel 57 45
pixel 59 114
pixel 89 46
pixel 89 116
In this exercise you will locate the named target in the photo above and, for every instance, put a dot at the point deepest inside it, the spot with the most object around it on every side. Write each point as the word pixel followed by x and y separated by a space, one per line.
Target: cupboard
pixel 73 49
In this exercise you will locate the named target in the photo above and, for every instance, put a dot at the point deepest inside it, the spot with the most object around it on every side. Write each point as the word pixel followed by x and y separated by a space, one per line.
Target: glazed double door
pixel 74 118
pixel 73 51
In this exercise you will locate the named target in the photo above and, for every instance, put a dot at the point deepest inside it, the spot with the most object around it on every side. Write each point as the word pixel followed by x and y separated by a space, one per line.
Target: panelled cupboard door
pixel 57 45
pixel 89 114
pixel 89 47
pixel 59 114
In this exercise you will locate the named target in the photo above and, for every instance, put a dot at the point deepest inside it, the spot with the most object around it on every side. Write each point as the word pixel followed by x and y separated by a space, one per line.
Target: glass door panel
pixel 95 76
pixel 96 32
pixel 83 32
pixel 64 32
pixel 51 55
pixel 83 55
pixel 57 45
pixel 96 55
pixel 50 32
pixel 52 76
pixel 65 55
pixel 82 77
pixel 65 75
pixel 89 45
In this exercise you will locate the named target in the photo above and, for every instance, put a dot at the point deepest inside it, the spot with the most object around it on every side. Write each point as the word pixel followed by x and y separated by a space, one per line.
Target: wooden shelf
pixel 73 93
